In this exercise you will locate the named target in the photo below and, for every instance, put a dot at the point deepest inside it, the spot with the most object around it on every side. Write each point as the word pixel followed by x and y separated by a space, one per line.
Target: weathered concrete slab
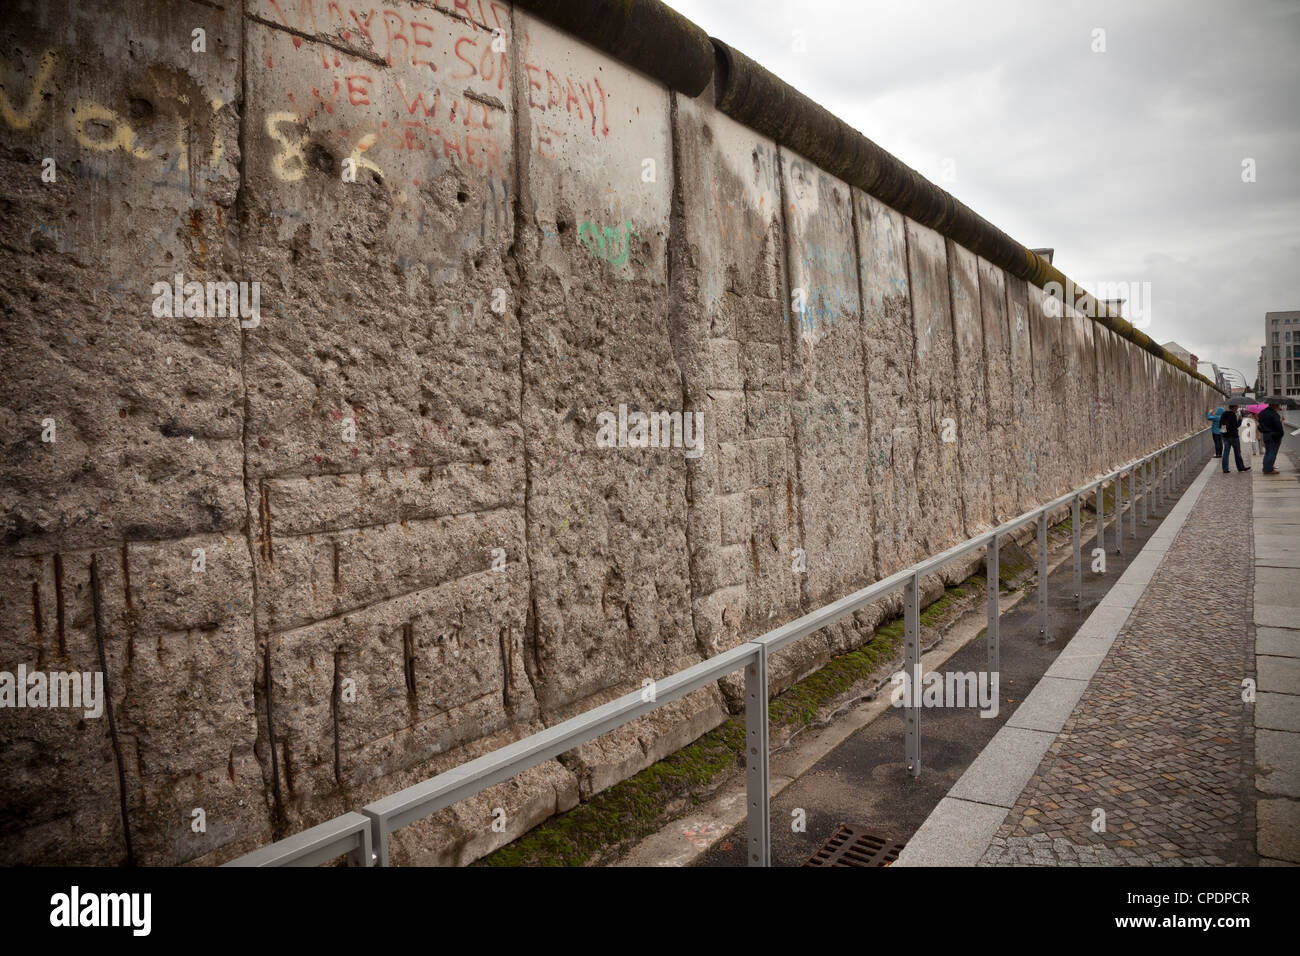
pixel 728 274
pixel 1277 711
pixel 1272 615
pixel 828 379
pixel 972 391
pixel 1277 763
pixel 1003 767
pixel 1125 595
pixel 1080 659
pixel 123 427
pixel 1274 546
pixel 955 834
pixel 936 396
pixel 1277 641
pixel 888 333
pixel 1278 674
pixel 1084 454
pixel 1103 624
pixel 1048 705
pixel 1279 831
pixel 606 509
pixel 1277 587
pixel 1027 433
pixel 1002 426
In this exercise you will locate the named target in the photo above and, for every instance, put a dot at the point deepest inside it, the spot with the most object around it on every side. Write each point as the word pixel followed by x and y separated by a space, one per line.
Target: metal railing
pixel 364 836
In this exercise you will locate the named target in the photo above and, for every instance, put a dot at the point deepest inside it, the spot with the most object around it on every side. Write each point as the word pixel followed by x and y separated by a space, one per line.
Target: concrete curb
pixel 965 822
pixel 1275 508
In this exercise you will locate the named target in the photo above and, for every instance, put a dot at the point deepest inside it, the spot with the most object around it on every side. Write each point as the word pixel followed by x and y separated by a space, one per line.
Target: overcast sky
pixel 1128 162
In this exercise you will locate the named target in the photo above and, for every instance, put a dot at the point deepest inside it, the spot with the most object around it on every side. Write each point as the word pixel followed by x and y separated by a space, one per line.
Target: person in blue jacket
pixel 1214 417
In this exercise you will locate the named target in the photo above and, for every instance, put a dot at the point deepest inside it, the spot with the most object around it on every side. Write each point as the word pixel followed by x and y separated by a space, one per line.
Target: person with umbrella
pixel 1270 429
pixel 1231 443
pixel 1248 427
pixel 1214 417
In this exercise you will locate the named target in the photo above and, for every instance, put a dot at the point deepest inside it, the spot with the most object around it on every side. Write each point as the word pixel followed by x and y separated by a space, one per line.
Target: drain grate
pixel 853 845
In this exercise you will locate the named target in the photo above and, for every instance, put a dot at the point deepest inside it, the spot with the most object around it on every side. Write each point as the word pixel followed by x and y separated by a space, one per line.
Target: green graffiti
pixel 604 244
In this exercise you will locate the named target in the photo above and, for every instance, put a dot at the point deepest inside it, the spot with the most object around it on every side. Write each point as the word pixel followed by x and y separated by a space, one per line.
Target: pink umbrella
pixel 1256 409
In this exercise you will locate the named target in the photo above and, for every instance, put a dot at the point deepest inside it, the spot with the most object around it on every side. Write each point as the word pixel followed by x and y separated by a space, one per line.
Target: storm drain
pixel 853 845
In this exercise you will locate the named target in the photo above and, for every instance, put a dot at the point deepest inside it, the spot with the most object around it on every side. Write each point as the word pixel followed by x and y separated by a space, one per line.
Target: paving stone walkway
pixel 1161 741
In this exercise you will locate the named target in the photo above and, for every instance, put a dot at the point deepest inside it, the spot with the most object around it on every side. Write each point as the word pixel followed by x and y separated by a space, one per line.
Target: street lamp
pixel 1238 375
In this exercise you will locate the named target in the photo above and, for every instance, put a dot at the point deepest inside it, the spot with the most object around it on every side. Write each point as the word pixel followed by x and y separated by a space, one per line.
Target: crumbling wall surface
pixel 831 433
pixel 606 511
pixel 540 381
pixel 123 427
pixel 385 455
pixel 733 342
pixel 1030 424
pixel 894 409
pixel 938 469
pixel 1051 408
pixel 972 431
pixel 1079 356
pixel 1000 390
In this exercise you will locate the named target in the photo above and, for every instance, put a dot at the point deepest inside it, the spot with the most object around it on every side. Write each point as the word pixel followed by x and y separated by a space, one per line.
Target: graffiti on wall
pixel 611 244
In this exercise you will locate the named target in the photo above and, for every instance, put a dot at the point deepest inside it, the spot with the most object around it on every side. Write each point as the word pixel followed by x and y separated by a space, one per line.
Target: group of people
pixel 1227 428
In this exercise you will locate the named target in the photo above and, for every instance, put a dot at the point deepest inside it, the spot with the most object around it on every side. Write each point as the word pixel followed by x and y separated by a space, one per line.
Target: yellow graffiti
pixel 182 138
pixel 359 161
pixel 94 125
pixel 24 119
pixel 291 150
pixel 122 137
pixel 218 150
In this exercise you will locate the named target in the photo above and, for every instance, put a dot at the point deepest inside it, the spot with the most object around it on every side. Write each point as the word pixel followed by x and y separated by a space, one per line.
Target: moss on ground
pixel 634 808
pixel 628 810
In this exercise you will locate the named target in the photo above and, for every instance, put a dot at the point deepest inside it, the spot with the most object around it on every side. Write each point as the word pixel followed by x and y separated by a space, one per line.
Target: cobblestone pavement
pixel 1161 741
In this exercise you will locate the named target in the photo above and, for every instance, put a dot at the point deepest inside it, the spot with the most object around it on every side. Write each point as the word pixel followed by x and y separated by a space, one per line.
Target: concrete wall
pixel 412 548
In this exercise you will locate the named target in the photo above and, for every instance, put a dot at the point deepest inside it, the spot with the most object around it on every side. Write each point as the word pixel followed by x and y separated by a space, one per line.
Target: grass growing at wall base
pixel 636 807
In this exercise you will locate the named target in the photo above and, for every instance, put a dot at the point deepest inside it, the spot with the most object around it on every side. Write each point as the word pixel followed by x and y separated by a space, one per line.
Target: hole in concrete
pixel 318 157
pixel 461 197
pixel 561 227
pixel 140 108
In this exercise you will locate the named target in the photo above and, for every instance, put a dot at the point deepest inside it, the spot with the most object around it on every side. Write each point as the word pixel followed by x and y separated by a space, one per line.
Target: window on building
pixel 1276 333
pixel 1277 366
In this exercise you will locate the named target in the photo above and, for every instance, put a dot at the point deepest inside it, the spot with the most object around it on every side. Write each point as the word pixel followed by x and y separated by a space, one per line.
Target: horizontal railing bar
pixel 334 838
pixel 429 796
pixel 802 626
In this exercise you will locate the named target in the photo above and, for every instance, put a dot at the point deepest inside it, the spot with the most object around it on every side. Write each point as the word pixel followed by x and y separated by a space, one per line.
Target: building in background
pixel 1187 358
pixel 1279 364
